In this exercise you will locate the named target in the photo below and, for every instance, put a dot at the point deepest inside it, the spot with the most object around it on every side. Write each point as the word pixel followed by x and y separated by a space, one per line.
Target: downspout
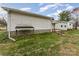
pixel 9 25
pixel 9 36
pixel 51 22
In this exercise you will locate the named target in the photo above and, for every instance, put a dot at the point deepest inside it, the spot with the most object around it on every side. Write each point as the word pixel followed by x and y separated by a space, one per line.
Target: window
pixel 61 25
pixel 64 25
pixel 70 24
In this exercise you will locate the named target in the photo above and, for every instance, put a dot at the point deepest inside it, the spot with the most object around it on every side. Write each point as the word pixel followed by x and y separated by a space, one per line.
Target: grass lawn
pixel 45 44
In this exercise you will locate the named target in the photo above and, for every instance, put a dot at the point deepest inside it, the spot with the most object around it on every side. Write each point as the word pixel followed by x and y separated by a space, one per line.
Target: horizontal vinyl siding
pixel 37 23
pixel 58 26
pixel 70 26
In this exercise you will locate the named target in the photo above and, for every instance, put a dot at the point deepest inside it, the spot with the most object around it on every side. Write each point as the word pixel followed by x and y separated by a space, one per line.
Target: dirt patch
pixel 68 49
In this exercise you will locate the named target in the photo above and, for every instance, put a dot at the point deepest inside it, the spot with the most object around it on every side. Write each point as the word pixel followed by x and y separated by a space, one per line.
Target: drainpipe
pixel 9 25
pixel 9 36
pixel 53 24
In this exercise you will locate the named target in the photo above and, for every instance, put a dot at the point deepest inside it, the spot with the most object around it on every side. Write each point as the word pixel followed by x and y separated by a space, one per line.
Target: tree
pixel 3 22
pixel 65 16
pixel 75 11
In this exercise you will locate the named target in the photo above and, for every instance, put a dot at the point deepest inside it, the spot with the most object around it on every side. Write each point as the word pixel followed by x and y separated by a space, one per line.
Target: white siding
pixel 67 24
pixel 70 25
pixel 78 28
pixel 37 23
pixel 58 26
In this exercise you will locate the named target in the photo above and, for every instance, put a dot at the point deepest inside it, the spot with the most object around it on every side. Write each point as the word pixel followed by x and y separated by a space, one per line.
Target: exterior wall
pixel 14 33
pixel 70 26
pixel 67 24
pixel 58 26
pixel 78 28
pixel 42 31
pixel 27 20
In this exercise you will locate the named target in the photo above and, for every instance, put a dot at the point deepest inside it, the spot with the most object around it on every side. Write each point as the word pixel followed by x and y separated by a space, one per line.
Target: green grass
pixel 36 44
pixel 45 44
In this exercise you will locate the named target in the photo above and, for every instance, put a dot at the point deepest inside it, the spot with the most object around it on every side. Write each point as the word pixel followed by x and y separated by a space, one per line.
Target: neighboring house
pixel 62 25
pixel 71 24
pixel 21 20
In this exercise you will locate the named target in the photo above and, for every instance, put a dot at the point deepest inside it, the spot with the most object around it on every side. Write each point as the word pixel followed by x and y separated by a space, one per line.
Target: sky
pixel 46 9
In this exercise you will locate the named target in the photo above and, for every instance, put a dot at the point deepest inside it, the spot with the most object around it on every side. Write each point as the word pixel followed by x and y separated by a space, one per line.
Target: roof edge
pixel 24 12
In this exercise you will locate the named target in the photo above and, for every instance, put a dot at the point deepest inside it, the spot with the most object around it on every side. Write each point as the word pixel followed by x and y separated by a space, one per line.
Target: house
pixel 70 24
pixel 18 20
pixel 62 25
